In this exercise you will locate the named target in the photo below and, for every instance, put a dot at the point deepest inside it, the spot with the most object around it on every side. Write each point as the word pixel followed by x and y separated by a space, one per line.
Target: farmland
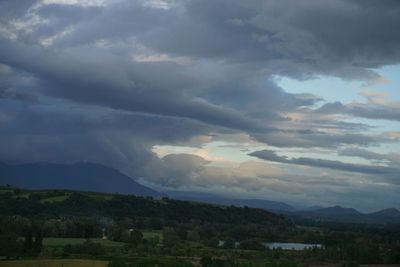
pixel 67 228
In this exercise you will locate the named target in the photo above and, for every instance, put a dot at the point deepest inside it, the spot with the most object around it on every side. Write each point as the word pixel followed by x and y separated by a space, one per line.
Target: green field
pixel 101 196
pixel 152 234
pixel 4 190
pixel 54 199
pixel 60 242
pixel 53 263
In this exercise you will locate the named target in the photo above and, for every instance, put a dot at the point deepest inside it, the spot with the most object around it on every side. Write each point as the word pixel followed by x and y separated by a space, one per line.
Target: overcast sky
pixel 288 100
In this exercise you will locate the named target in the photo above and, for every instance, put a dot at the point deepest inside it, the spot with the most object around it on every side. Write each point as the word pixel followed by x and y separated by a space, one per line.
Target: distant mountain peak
pixel 312 208
pixel 83 176
pixel 341 214
pixel 334 211
pixel 387 212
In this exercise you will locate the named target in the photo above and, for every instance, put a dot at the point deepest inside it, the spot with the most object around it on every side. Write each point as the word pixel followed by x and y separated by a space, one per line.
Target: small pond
pixel 290 246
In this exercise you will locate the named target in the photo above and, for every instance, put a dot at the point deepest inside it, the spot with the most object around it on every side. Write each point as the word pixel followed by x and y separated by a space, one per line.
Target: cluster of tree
pixel 188 221
pixel 360 249
pixel 130 236
pixel 20 236
pixel 122 206
pixel 382 233
pixel 81 227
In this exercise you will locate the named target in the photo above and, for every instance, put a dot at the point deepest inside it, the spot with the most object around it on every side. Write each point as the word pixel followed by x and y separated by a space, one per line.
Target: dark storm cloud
pixel 9 93
pixel 260 98
pixel 335 37
pixel 140 87
pixel 69 132
pixel 67 118
pixel 60 17
pixel 16 85
pixel 343 38
pixel 14 9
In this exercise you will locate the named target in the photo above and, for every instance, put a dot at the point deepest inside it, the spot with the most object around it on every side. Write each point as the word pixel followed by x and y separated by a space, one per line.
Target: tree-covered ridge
pixel 120 206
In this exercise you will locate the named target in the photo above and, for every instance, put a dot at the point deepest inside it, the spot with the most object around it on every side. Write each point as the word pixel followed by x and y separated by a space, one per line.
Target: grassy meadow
pixel 60 242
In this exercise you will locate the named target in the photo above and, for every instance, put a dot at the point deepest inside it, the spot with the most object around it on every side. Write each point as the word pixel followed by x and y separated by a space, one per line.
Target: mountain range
pixel 349 215
pixel 94 177
pixel 316 213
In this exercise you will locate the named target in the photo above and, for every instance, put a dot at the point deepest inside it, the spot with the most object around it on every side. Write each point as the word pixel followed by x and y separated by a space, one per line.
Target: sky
pixel 287 100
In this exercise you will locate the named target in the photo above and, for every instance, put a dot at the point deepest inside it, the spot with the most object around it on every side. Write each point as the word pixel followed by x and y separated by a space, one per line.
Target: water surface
pixel 290 246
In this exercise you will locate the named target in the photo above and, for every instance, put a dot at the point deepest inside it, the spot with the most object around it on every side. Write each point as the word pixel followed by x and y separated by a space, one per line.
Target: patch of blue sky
pixel 388 148
pixel 392 81
pixel 334 89
pixel 331 89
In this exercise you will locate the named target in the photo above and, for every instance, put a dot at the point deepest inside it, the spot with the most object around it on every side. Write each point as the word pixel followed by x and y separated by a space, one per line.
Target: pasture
pixel 60 242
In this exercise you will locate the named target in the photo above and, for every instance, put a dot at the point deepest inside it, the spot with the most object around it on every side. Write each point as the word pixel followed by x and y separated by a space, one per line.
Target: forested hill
pixel 60 203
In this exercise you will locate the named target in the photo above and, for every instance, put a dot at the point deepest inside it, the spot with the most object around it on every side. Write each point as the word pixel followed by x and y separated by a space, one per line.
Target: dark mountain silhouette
pixel 79 176
pixel 312 208
pixel 316 213
pixel 349 215
pixel 391 214
pixel 251 203
pixel 337 211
